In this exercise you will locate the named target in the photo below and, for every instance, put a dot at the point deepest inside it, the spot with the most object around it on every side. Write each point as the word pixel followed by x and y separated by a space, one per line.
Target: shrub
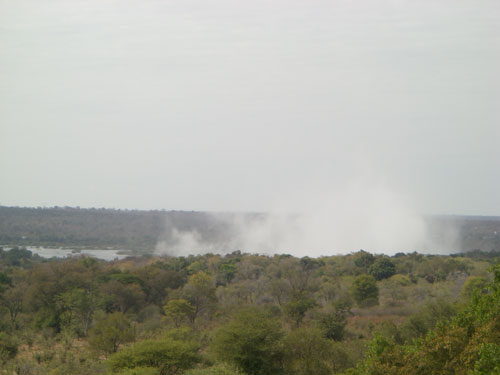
pixel 474 284
pixel 219 369
pixel 8 348
pixel 168 356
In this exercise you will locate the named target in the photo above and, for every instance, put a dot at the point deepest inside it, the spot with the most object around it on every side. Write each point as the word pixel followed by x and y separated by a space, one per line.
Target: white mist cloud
pixel 364 214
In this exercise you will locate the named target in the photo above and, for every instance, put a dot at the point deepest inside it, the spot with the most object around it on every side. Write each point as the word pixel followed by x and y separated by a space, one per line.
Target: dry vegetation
pixel 239 313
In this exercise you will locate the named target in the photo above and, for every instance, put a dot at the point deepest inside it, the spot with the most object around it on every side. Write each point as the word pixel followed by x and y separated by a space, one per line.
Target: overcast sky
pixel 250 105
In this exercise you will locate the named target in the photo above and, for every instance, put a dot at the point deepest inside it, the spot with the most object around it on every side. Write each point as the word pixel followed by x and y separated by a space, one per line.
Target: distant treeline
pixel 468 232
pixel 66 226
pixel 107 228
pixel 141 230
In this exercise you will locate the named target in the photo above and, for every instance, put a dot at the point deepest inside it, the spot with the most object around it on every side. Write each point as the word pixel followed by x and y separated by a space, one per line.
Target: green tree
pixel 363 260
pixel 156 280
pixel 279 290
pixel 12 301
pixel 225 273
pixel 124 297
pixel 297 307
pixel 78 306
pixel 307 352
pixel 364 290
pixel 301 274
pixel 109 333
pixel 5 280
pixel 200 293
pixel 178 310
pixel 195 267
pixel 382 268
pixel 333 323
pixel 252 342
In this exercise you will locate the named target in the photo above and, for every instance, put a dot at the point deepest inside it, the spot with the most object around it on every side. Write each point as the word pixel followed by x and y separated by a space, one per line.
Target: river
pixel 107 255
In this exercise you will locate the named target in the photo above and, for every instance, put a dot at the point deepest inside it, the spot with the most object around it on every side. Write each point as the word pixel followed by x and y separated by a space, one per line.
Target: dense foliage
pixel 243 314
pixel 469 343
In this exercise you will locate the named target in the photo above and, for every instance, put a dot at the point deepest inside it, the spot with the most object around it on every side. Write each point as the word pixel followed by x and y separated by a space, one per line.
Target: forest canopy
pixel 247 314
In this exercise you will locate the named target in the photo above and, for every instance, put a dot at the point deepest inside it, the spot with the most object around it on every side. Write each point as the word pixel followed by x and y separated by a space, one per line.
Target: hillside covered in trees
pixel 141 231
pixel 244 314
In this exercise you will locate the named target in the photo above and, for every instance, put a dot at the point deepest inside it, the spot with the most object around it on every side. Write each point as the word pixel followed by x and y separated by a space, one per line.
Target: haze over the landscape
pixel 253 187
pixel 354 114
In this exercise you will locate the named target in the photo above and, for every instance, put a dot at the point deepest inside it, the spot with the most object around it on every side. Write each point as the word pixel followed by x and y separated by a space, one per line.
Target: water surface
pixel 107 255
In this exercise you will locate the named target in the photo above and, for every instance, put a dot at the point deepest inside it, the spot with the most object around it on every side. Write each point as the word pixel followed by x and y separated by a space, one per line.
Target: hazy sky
pixel 250 105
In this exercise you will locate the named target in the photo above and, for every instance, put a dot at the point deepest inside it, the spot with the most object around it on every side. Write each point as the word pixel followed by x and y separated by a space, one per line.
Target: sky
pixel 222 105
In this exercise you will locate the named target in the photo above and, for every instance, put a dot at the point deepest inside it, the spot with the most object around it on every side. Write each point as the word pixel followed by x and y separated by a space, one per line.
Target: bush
pixel 168 356
pixel 474 284
pixel 489 360
pixel 219 369
pixel 139 371
pixel 8 348
pixel 417 325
